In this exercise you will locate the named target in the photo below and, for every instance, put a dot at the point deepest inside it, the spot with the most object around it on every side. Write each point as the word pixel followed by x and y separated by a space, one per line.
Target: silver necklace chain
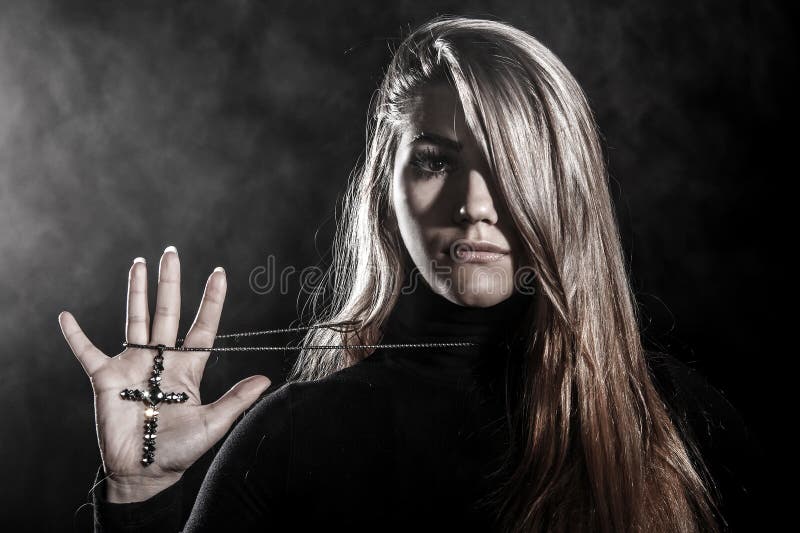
pixel 332 325
pixel 153 396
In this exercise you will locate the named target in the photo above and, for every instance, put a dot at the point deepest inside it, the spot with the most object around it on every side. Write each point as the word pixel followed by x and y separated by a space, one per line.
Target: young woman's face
pixel 452 220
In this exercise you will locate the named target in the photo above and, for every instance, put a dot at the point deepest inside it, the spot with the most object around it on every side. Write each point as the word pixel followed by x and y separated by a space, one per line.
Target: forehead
pixel 437 110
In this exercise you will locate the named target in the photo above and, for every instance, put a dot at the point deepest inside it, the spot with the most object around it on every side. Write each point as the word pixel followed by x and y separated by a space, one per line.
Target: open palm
pixel 185 431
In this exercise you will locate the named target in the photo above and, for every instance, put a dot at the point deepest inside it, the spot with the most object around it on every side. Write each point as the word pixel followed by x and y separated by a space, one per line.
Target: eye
pixel 432 163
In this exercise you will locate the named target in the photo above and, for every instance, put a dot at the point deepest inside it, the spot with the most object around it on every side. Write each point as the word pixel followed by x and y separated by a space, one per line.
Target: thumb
pixel 223 412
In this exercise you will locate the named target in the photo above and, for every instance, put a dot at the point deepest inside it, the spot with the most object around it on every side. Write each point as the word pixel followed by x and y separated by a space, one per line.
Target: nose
pixel 477 203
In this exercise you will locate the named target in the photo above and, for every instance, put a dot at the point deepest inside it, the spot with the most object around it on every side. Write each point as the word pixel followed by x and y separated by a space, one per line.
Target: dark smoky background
pixel 229 128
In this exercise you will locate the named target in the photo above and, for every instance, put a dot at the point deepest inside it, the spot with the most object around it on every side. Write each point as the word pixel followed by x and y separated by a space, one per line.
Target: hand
pixel 185 430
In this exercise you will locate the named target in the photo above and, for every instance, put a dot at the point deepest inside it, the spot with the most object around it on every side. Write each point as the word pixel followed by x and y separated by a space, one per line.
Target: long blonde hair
pixel 593 447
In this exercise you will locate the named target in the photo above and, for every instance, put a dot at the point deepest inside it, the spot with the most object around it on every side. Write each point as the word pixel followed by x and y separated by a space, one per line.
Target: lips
pixel 468 251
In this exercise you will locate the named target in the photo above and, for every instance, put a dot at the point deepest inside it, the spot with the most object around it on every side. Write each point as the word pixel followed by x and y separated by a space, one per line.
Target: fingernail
pixel 170 248
pixel 139 260
pixel 219 269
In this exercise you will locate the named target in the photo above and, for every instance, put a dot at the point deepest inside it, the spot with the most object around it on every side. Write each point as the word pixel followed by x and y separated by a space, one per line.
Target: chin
pixel 480 290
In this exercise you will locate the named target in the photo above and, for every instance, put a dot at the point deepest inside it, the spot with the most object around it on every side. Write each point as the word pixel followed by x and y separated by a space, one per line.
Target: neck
pixel 422 315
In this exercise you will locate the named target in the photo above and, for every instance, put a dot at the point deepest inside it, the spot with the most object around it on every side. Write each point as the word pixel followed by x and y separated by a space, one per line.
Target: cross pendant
pixel 152 397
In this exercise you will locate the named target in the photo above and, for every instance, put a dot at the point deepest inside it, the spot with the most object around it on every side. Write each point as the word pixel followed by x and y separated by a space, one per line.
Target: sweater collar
pixel 422 315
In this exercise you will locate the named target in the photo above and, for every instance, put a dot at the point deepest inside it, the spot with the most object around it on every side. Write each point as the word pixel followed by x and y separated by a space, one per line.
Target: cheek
pixel 417 197
pixel 414 203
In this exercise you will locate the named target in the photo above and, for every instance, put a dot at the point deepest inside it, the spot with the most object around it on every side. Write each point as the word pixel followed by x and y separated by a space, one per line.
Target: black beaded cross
pixel 152 397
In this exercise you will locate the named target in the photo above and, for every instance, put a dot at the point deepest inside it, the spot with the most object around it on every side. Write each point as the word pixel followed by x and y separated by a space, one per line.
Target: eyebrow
pixel 436 139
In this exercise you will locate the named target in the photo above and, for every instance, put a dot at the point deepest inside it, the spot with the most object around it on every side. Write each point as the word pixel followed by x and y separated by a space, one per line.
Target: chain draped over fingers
pixel 204 328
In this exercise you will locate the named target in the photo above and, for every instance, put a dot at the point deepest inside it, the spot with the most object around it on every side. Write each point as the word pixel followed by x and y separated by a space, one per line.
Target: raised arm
pixel 148 431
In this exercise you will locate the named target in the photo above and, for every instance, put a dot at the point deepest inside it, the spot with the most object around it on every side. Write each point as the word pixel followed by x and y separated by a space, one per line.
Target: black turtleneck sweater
pixel 405 440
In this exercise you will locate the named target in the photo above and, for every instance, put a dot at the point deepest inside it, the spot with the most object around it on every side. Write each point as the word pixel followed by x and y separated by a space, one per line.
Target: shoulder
pixel 693 399
pixel 342 421
pixel 295 411
pixel 682 386
pixel 364 385
pixel 358 390
pixel 724 441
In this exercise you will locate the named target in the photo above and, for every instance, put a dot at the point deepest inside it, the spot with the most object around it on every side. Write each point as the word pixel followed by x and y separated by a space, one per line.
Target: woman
pixel 483 163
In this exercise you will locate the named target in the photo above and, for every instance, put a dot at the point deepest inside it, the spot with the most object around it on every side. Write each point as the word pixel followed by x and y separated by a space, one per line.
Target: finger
pixel 87 353
pixel 206 322
pixel 168 299
pixel 221 414
pixel 137 322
